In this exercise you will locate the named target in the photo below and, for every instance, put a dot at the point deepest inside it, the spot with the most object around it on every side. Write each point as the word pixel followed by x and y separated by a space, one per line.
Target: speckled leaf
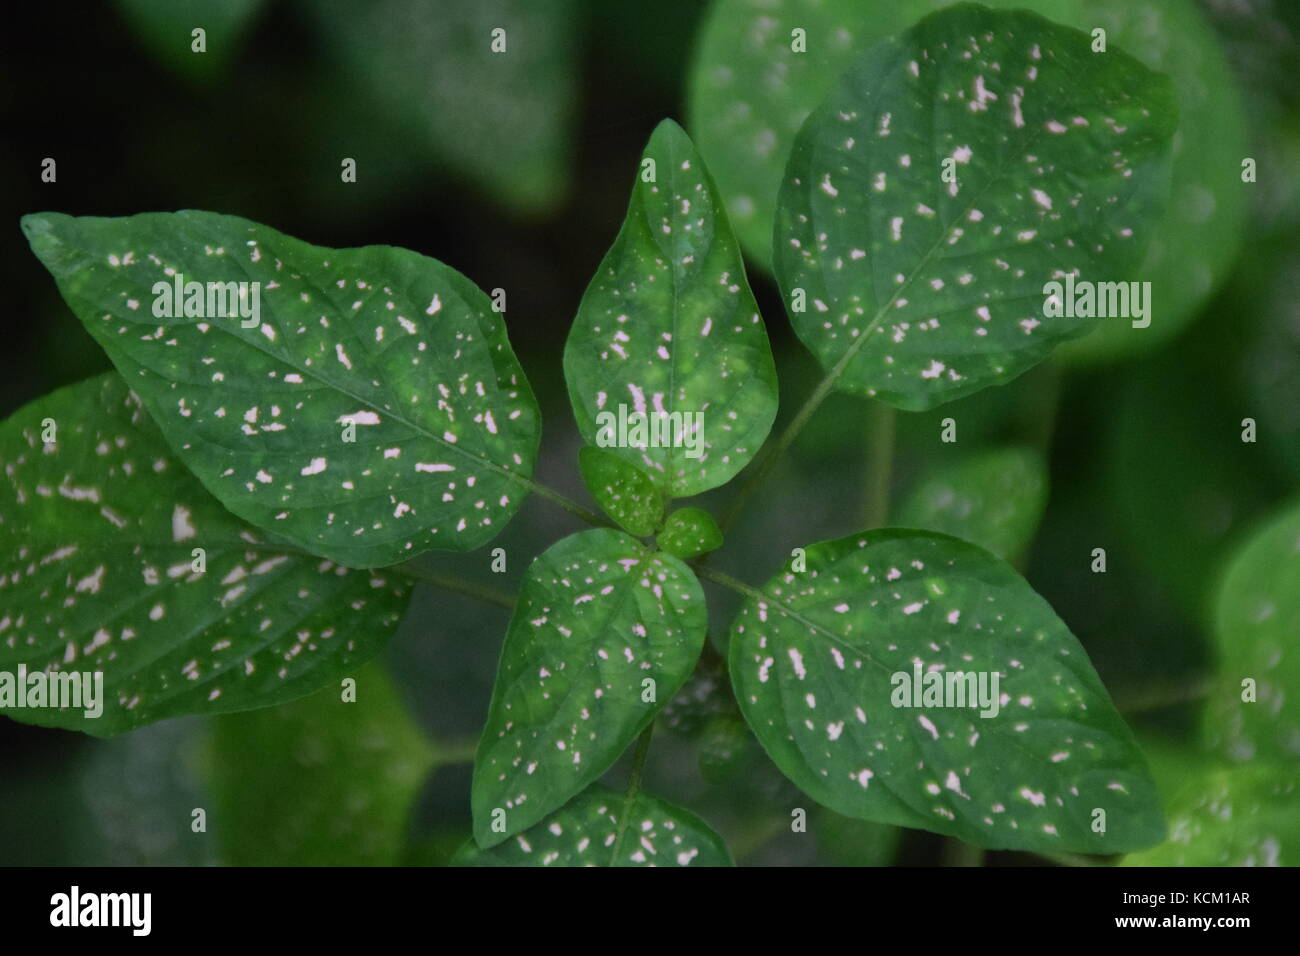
pixel 669 325
pixel 97 536
pixel 623 491
pixel 994 499
pixel 690 532
pixel 814 661
pixel 751 90
pixel 401 347
pixel 920 290
pixel 1240 816
pixel 598 615
pixel 587 832
pixel 321 781
pixel 1257 621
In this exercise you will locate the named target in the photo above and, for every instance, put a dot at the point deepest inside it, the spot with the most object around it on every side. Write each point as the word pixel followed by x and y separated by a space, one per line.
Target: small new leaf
pixel 623 491
pixel 690 532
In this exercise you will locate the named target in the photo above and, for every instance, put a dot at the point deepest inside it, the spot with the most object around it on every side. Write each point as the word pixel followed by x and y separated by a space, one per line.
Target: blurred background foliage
pixel 516 171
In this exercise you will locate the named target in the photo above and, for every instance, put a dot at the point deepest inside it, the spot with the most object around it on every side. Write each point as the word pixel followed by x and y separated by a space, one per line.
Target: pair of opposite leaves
pixel 356 336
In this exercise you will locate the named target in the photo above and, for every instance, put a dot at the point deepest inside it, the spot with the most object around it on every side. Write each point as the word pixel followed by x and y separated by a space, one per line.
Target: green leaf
pixel 587 832
pixel 1242 816
pixel 166 28
pixel 690 532
pixel 818 659
pixel 321 781
pixel 503 120
pixel 750 92
pixel 669 325
pixel 623 491
pixel 993 499
pixel 396 348
pixel 1257 618
pixel 599 618
pixel 98 530
pixel 136 796
pixel 918 291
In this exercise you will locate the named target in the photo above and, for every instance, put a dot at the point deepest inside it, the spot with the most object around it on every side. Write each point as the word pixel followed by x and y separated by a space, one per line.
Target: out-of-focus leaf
pixel 1257 627
pixel 1240 816
pixel 501 120
pixel 167 28
pixel 319 782
pixel 994 499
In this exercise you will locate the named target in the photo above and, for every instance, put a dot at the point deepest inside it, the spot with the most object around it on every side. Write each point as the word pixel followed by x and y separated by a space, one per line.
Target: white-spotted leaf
pixel 604 633
pixel 372 411
pixel 589 831
pixel 668 335
pixel 98 573
pixel 751 89
pixel 822 660
pixel 946 180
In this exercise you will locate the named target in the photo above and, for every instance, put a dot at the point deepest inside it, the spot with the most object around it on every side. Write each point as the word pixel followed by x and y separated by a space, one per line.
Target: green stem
pixel 568 504
pixel 452 582
pixel 454 752
pixel 727 581
pixel 633 783
pixel 638 761
pixel 1157 696
pixel 880 464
